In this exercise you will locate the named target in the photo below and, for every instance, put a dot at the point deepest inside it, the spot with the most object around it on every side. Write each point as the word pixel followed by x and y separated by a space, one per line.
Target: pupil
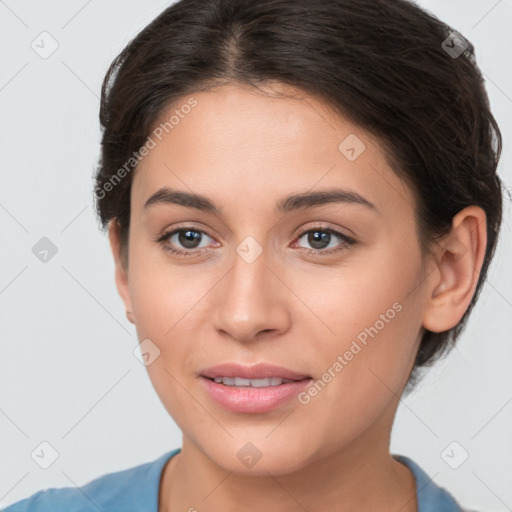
pixel 314 240
pixel 187 237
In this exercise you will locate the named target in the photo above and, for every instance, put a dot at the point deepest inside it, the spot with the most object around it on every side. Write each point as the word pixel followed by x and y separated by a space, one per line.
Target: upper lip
pixel 257 371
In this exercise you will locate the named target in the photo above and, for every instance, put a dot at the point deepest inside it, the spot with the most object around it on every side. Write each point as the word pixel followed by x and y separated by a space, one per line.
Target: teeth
pixel 254 383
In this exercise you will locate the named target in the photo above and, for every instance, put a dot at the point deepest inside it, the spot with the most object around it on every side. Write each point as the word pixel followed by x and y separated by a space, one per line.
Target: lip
pixel 257 371
pixel 249 399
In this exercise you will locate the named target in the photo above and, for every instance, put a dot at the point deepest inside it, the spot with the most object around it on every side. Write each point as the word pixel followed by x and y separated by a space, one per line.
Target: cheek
pixel 361 372
pixel 163 296
pixel 170 306
pixel 166 309
pixel 374 289
pixel 372 318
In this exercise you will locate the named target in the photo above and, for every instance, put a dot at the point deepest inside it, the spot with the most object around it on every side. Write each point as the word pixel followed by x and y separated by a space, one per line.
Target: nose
pixel 252 299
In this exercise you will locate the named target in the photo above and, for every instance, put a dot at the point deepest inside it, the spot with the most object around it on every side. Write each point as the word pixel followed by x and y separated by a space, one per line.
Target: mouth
pixel 259 375
pixel 252 389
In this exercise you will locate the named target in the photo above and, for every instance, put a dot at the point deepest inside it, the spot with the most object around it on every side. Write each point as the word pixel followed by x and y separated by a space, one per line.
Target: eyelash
pixel 185 253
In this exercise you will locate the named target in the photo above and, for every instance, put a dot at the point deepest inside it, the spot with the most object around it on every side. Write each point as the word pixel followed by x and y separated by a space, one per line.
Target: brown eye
pixel 184 241
pixel 325 240
pixel 318 239
pixel 189 239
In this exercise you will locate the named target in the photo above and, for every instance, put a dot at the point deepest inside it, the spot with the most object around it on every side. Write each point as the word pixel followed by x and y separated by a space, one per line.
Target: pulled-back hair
pixel 386 65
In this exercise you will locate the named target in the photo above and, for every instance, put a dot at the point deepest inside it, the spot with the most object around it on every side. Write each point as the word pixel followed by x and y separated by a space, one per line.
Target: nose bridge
pixel 248 283
pixel 250 300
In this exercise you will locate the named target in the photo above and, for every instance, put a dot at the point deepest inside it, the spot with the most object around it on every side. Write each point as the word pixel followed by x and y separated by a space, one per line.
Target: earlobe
pixel 459 258
pixel 121 271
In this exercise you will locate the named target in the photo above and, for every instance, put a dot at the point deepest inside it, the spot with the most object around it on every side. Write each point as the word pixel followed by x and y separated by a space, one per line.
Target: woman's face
pixel 266 281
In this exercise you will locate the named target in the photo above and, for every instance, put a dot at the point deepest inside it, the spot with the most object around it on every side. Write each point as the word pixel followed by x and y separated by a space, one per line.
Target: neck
pixel 362 477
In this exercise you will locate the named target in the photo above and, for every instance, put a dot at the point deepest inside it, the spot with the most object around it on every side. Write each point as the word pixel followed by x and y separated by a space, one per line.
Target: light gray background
pixel 68 373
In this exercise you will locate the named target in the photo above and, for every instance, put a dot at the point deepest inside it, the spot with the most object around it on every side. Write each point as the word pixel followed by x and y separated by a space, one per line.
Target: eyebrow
pixel 289 203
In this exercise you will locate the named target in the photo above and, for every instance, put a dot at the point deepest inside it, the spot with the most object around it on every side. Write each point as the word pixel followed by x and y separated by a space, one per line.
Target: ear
pixel 459 258
pixel 121 268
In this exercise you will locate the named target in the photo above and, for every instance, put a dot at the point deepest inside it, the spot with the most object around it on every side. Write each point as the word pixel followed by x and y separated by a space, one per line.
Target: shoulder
pixel 430 496
pixel 132 489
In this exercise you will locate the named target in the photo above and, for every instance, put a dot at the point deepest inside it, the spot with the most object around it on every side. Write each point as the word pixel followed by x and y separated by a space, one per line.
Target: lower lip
pixel 253 400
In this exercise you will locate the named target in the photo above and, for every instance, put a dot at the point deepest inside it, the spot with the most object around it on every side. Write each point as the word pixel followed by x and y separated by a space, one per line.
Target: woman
pixel 302 203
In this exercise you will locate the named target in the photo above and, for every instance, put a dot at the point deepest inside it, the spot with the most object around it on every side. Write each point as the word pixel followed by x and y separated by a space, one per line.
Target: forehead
pixel 238 144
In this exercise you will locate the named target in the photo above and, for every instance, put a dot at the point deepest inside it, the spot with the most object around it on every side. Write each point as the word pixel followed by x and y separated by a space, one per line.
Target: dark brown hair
pixel 386 65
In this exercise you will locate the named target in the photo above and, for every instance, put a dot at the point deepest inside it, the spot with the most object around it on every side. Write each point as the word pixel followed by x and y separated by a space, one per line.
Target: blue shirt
pixel 136 489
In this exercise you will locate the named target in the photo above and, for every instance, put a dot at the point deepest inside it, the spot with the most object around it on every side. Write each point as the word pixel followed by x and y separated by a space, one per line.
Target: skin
pixel 245 151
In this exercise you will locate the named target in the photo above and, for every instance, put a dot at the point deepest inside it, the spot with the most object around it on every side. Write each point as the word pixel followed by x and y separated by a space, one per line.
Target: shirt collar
pixel 431 498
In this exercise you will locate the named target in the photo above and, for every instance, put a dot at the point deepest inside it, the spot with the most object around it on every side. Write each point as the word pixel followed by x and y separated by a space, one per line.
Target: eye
pixel 321 238
pixel 184 241
pixel 187 240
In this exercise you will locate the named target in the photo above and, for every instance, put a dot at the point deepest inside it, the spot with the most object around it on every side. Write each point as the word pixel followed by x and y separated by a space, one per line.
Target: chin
pixel 257 458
